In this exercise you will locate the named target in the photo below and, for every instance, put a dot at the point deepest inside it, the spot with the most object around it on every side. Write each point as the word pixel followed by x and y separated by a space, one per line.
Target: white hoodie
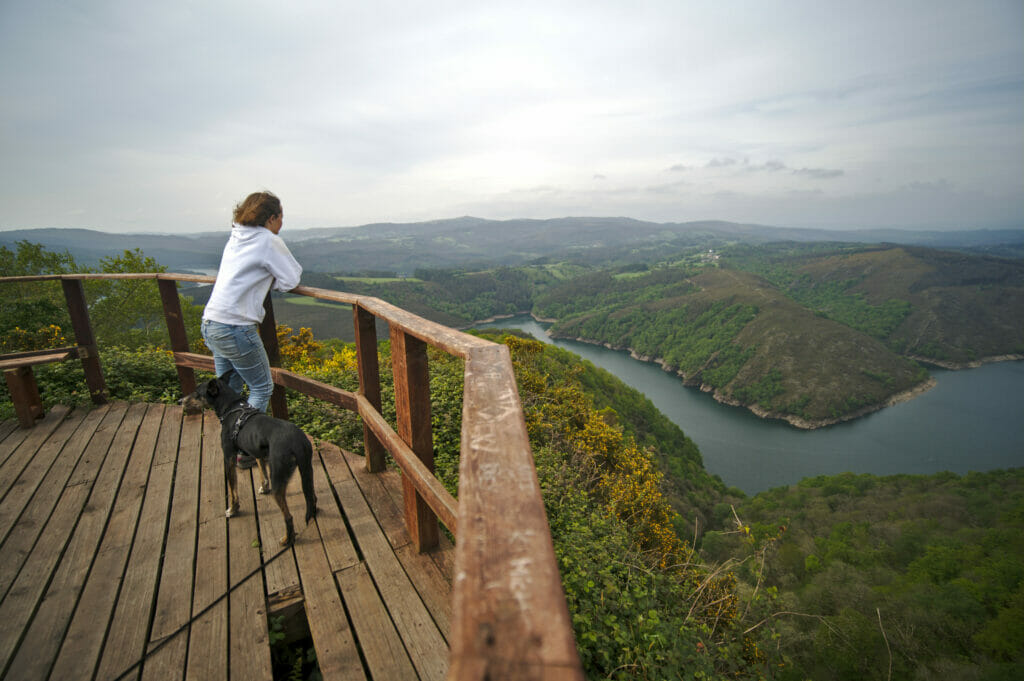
pixel 254 258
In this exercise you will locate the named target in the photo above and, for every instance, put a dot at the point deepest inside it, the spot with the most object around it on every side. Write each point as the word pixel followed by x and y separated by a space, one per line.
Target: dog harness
pixel 244 411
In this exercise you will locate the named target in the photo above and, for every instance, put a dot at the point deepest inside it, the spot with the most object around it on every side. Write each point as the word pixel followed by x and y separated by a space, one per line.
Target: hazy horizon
pixel 158 118
pixel 299 230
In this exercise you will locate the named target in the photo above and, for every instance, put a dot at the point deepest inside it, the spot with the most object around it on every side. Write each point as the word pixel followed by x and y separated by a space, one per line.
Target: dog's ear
pixel 212 388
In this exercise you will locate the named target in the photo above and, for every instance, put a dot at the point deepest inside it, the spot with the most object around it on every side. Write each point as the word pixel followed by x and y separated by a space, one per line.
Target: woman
pixel 255 258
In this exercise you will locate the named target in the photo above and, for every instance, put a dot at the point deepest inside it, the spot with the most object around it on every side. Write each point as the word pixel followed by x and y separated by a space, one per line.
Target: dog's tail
pixel 305 464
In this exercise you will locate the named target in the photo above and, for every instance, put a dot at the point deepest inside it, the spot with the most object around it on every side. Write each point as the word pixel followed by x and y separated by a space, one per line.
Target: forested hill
pixel 810 333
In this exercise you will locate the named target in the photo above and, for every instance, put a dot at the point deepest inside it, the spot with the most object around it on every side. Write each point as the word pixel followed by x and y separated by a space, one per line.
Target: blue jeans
pixel 240 348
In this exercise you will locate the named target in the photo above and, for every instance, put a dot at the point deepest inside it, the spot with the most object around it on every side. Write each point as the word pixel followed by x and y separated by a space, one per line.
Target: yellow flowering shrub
pixel 296 347
pixel 22 340
pixel 625 478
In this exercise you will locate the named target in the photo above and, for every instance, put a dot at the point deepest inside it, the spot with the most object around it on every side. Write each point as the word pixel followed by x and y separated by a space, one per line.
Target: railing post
pixel 78 309
pixel 176 330
pixel 365 325
pixel 412 404
pixel 268 332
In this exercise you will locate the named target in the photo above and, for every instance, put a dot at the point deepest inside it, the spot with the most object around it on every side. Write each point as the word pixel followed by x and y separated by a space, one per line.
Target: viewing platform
pixel 117 560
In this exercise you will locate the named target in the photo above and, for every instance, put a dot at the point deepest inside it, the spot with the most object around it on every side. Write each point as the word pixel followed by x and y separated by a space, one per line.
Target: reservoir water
pixel 972 420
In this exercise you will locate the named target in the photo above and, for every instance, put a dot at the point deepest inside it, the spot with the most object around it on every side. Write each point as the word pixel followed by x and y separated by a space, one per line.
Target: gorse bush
pixel 642 605
pixel 43 337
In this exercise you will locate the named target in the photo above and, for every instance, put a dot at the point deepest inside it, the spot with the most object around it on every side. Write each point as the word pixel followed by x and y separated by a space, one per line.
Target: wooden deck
pixel 116 560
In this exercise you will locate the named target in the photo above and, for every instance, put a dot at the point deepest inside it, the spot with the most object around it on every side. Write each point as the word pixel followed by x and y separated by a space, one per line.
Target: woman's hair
pixel 257 209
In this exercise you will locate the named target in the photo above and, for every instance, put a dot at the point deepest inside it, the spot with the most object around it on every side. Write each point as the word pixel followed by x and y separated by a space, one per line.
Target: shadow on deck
pixel 116 560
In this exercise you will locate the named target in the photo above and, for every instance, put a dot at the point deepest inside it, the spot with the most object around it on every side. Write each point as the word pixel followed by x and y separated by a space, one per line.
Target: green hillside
pixel 808 333
pixel 735 335
pixel 903 577
pixel 946 308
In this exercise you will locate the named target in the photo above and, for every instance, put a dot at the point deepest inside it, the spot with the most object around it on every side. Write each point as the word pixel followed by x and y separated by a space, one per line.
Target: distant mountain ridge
pixel 466 241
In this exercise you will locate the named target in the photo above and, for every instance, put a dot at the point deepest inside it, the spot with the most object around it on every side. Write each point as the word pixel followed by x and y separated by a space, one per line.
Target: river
pixel 972 420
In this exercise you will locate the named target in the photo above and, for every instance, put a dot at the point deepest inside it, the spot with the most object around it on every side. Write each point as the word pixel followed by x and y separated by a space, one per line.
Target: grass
pixel 314 302
pixel 379 280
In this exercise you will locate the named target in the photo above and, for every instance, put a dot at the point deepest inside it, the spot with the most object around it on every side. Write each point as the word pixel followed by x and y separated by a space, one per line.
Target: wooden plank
pixel 80 650
pixel 383 493
pixel 379 642
pixel 314 388
pixel 444 555
pixel 208 640
pixel 446 338
pixel 12 440
pixel 249 638
pixel 412 404
pixel 509 614
pixel 30 354
pixel 31 277
pixel 297 503
pixel 17 545
pixel 97 275
pixel 388 511
pixel 194 360
pixel 17 460
pixel 126 639
pixel 49 555
pixel 336 651
pixel 338 545
pixel 174 599
pixel 197 278
pixel 426 646
pixel 280 573
pixel 6 428
pixel 25 487
pixel 431 581
pixel 430 584
pixel 31 360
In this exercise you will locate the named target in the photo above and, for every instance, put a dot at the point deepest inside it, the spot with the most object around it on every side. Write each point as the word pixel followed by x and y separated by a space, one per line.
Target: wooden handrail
pixel 509 615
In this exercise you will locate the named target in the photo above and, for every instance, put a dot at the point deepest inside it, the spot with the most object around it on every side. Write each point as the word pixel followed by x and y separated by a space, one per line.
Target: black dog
pixel 276 443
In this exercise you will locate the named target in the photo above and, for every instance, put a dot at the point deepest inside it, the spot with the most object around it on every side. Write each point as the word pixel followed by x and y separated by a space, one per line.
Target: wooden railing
pixel 509 614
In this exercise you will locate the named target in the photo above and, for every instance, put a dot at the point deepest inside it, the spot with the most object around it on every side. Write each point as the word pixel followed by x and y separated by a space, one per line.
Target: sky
pixel 130 116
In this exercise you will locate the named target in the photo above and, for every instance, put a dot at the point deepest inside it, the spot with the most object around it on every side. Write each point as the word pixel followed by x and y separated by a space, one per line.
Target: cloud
pixel 819 173
pixel 768 166
pixel 668 188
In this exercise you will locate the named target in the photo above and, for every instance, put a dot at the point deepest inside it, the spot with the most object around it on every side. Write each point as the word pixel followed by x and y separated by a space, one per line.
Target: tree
pixel 129 312
pixel 123 312
pixel 33 315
